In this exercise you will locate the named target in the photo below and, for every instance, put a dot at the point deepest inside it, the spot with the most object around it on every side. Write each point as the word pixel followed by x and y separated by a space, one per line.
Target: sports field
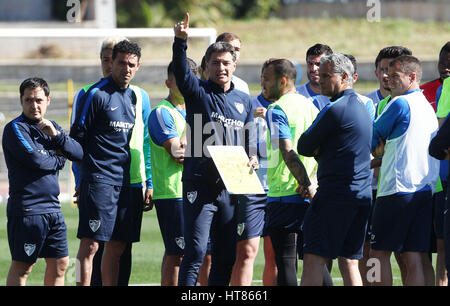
pixel 147 254
pixel 289 39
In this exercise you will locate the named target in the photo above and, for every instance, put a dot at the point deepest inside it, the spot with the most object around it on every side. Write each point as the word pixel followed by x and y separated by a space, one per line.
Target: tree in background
pixel 254 8
pixel 164 13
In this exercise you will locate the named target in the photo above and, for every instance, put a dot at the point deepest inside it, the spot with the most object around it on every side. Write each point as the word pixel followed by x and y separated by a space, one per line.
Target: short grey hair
pixel 341 64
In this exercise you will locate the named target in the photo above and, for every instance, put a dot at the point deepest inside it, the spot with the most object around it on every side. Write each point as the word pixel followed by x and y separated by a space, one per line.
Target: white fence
pixel 209 33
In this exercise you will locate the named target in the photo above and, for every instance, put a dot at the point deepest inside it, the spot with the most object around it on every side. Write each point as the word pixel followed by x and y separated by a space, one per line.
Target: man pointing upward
pixel 214 110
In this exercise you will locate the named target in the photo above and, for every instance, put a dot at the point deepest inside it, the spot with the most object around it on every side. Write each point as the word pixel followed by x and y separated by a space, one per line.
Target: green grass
pixel 147 254
pixel 290 38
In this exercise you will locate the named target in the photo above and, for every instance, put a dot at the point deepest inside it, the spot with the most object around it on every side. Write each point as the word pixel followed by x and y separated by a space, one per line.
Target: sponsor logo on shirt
pixel 120 126
pixel 228 122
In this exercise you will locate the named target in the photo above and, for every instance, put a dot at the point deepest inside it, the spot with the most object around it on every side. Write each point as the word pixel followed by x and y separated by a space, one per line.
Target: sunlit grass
pixel 147 254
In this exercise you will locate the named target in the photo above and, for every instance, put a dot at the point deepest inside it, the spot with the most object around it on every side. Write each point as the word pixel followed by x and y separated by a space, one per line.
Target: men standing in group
pixel 251 214
pixel 365 100
pixel 380 98
pixel 248 205
pixel 216 114
pixel 311 90
pixel 384 57
pixel 167 124
pixel 430 88
pixel 236 42
pixel 35 149
pixel 339 139
pixel 440 148
pixel 443 109
pixel 401 220
pixel 444 73
pixel 104 122
pixel 140 166
pixel 287 118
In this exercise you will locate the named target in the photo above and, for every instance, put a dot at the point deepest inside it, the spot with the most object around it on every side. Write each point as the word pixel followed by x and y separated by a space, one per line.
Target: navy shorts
pixel 334 227
pixel 447 231
pixel 369 219
pixel 288 216
pixel 439 208
pixel 171 223
pixel 285 215
pixel 402 222
pixel 137 209
pixel 37 236
pixel 251 212
pixel 105 212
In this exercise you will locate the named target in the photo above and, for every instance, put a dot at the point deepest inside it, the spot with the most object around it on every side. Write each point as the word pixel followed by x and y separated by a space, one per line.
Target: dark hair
pixel 408 64
pixel 353 60
pixel 391 52
pixel 227 36
pixel 128 47
pixel 192 65
pixel 203 63
pixel 266 63
pixel 319 49
pixel 220 47
pixel 283 68
pixel 34 83
pixel 445 48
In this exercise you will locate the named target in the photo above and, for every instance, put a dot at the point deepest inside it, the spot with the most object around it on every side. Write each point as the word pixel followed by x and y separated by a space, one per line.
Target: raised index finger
pixel 186 20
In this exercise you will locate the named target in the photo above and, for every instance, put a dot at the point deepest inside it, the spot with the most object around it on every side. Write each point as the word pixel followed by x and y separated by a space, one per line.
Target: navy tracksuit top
pixel 33 166
pixel 342 134
pixel 103 125
pixel 213 116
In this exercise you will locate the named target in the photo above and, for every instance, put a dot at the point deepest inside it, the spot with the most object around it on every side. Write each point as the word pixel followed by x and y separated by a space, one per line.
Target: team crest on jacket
pixel 191 196
pixel 29 248
pixel 239 107
pixel 180 242
pixel 94 225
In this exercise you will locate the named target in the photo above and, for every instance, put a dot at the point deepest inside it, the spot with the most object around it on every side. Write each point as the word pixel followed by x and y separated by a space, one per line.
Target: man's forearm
pixel 296 167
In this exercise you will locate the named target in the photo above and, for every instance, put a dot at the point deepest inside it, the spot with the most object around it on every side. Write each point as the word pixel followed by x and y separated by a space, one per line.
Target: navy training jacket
pixel 33 166
pixel 340 139
pixel 103 126
pixel 213 116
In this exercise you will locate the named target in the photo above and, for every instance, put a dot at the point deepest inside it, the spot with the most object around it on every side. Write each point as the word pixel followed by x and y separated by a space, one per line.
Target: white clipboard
pixel 232 164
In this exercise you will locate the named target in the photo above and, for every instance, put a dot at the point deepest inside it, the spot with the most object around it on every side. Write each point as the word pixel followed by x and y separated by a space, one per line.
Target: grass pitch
pixel 147 254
